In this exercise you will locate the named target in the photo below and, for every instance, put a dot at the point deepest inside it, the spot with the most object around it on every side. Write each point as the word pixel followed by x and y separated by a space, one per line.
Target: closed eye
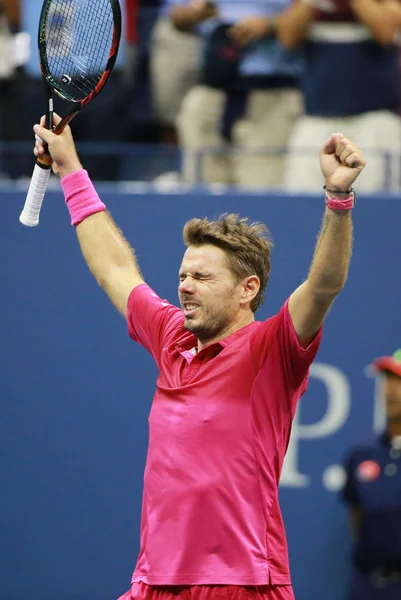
pixel 196 275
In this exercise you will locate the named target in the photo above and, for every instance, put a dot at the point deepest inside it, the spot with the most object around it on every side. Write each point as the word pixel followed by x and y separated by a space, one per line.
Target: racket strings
pixel 79 39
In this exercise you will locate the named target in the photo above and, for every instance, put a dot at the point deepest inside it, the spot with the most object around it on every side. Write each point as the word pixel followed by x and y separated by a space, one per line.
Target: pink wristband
pixel 80 196
pixel 340 204
pixel 345 204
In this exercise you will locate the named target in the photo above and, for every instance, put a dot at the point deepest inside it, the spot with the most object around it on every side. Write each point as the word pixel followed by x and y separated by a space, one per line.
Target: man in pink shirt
pixel 228 385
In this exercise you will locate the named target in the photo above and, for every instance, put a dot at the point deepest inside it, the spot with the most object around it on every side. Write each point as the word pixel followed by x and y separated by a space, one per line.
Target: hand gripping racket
pixel 78 42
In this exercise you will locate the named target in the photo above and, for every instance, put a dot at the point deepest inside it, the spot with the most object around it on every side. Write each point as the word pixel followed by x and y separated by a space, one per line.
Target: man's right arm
pixel 108 255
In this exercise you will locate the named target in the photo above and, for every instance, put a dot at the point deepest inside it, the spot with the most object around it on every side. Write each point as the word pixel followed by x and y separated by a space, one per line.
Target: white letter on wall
pixel 338 407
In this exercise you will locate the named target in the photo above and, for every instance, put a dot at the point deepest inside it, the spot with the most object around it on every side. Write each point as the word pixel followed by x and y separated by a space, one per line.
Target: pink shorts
pixel 142 591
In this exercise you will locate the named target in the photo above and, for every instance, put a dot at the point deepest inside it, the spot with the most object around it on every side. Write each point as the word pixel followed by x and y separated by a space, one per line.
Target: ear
pixel 250 286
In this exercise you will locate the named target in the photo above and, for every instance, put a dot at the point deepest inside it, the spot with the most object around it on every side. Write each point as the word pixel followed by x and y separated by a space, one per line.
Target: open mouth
pixel 189 309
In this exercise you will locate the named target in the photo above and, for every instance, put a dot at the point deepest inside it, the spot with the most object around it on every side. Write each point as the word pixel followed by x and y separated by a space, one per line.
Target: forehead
pixel 206 257
pixel 393 377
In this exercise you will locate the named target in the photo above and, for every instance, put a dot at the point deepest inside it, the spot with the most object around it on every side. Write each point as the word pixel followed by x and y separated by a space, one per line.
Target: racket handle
pixel 34 199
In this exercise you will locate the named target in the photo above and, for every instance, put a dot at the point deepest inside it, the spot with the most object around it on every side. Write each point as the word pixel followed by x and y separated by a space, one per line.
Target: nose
pixel 187 286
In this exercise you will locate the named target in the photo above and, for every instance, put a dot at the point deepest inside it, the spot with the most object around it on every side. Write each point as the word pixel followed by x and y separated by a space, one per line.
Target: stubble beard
pixel 208 328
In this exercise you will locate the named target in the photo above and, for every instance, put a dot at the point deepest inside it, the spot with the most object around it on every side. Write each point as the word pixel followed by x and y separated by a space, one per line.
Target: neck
pixel 242 322
pixel 394 427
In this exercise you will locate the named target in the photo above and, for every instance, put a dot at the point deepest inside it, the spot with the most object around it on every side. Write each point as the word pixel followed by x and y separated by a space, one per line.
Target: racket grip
pixel 34 199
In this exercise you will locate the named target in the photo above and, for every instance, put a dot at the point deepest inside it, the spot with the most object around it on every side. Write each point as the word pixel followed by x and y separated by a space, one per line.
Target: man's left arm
pixel 341 162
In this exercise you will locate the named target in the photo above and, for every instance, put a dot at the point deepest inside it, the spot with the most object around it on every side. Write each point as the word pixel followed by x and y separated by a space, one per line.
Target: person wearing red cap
pixel 389 364
pixel 373 494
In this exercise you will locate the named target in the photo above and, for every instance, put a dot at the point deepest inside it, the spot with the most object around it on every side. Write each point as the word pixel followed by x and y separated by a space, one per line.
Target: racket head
pixel 78 43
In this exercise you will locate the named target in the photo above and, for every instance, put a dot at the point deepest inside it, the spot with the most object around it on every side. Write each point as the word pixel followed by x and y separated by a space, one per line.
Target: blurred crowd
pixel 239 92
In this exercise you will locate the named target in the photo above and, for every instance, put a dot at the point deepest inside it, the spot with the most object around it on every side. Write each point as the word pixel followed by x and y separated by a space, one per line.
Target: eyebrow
pixel 195 274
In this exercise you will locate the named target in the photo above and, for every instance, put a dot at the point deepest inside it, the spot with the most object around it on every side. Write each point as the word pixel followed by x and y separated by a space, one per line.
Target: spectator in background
pixel 248 91
pixel 174 68
pixel 347 45
pixel 9 110
pixel 373 495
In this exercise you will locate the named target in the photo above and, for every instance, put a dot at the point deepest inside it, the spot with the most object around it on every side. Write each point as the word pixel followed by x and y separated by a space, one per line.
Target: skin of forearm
pixel 184 17
pixel 12 10
pixel 104 248
pixel 379 18
pixel 329 269
pixel 293 25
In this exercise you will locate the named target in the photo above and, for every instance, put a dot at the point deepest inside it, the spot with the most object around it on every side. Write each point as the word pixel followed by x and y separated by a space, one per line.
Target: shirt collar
pixel 191 341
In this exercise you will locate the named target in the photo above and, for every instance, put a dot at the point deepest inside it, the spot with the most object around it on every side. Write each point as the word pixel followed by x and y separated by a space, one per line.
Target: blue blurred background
pixel 75 390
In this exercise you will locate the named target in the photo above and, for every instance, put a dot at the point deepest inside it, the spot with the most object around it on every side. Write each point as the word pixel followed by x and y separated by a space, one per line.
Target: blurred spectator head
pixel 390 368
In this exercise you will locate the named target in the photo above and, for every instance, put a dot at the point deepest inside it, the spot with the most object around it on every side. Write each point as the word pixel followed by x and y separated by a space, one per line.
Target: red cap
pixel 389 363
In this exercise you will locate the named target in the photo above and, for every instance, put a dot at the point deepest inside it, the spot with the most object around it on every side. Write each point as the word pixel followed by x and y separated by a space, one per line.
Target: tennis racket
pixel 78 42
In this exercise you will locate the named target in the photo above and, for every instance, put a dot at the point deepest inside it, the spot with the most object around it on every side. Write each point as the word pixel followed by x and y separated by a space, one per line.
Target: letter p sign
pixel 338 407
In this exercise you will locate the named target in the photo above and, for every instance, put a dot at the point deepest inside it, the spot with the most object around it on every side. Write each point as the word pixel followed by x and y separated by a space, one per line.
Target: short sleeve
pixel 277 341
pixel 349 493
pixel 152 322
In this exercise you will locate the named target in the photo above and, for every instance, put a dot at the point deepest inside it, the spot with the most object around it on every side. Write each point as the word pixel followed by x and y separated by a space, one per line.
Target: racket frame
pixel 31 211
pixel 52 85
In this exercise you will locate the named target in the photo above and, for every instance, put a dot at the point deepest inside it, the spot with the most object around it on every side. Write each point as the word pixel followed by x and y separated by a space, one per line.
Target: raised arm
pixel 108 255
pixel 341 162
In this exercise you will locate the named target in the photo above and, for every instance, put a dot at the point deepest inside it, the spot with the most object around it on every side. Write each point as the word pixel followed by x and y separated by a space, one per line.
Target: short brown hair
pixel 248 246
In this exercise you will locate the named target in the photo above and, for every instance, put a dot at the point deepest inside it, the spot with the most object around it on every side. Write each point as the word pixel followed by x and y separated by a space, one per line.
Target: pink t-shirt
pixel 219 427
